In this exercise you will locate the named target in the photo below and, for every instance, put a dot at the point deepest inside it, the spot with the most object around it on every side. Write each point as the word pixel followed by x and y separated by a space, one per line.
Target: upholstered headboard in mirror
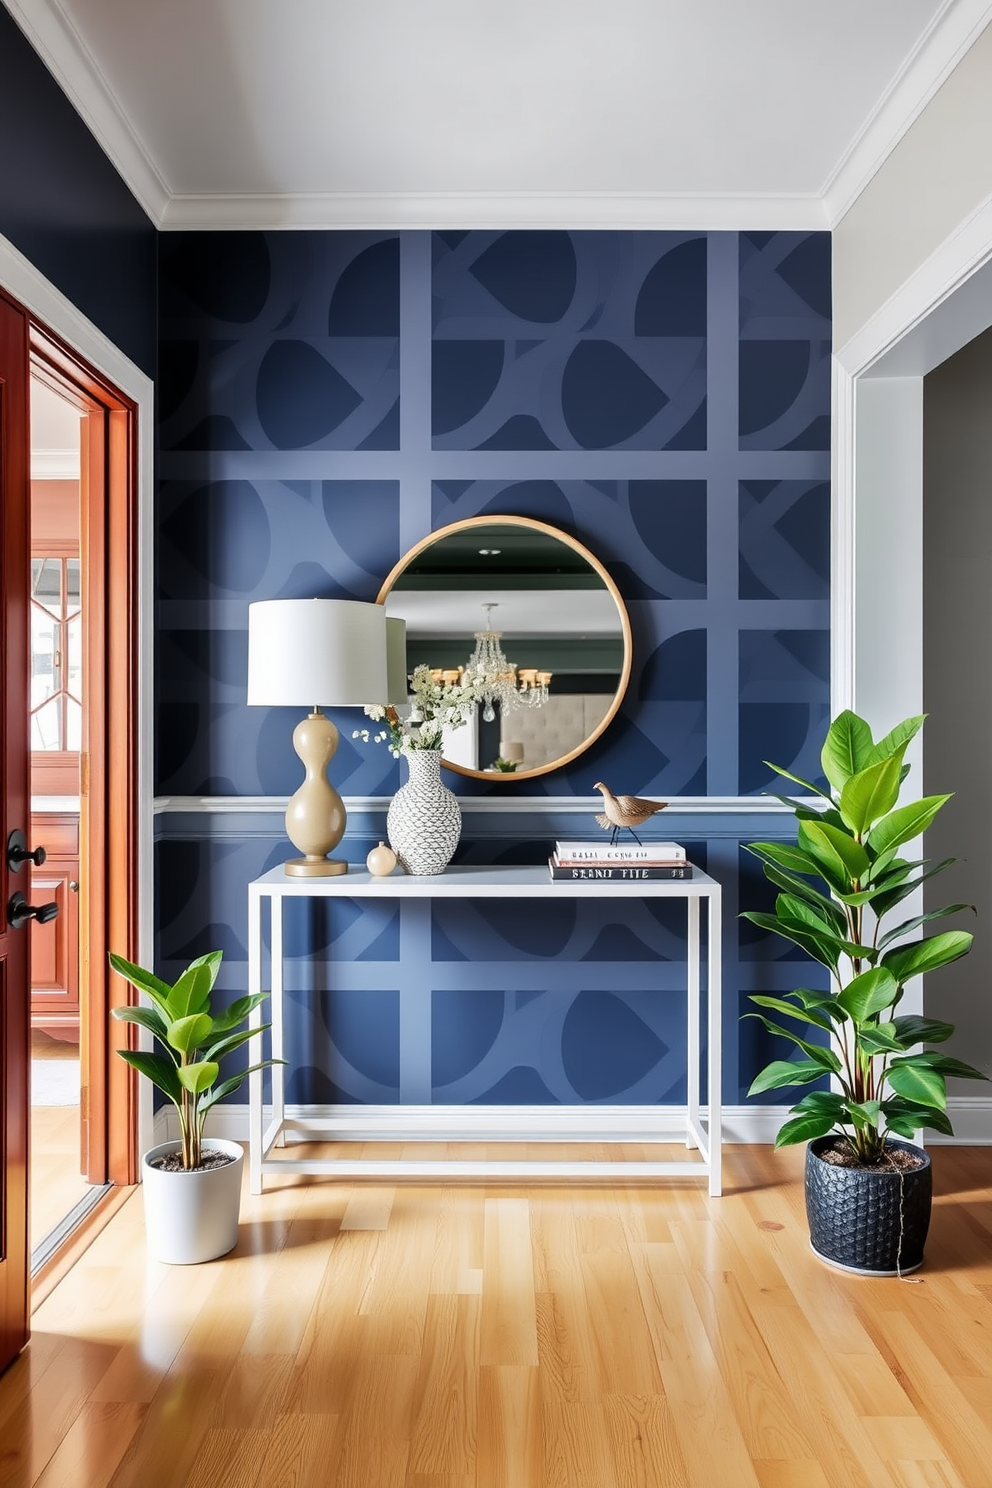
pixel 560 623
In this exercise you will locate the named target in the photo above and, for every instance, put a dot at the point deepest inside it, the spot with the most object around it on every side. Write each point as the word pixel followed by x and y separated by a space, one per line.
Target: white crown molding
pixel 971 1117
pixel 471 805
pixel 382 211
pixel 63 51
pixel 55 464
pixel 58 42
pixel 954 28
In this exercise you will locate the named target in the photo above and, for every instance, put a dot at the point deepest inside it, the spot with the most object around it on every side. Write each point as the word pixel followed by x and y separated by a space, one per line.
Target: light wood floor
pixel 431 1337
pixel 55 1179
pixel 56 1182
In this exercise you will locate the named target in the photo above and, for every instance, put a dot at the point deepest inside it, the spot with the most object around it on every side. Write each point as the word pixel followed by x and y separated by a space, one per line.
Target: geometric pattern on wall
pixel 569 341
pixel 327 400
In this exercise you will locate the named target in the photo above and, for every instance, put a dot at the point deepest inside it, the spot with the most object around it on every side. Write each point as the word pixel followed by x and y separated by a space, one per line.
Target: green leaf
pixel 820 1054
pixel 808 785
pixel 955 1068
pixel 912 1028
pixel 231 1042
pixel 879 1038
pixel 782 1072
pixel 784 854
pixel 896 741
pixel 798 934
pixel 846 749
pixel 844 860
pixel 909 925
pixel 917 1082
pixel 211 960
pixel 146 1017
pixel 145 981
pixel 804 1128
pixel 868 993
pixel 870 794
pixel 926 955
pixel 196 1078
pixel 865 1115
pixel 812 813
pixel 906 1117
pixel 230 1085
pixel 187 1034
pixel 802 1015
pixel 826 1102
pixel 161 1071
pixel 888 899
pixel 790 907
pixel 191 993
pixel 905 823
pixel 881 863
pixel 793 883
pixel 238 1011
pixel 824 1002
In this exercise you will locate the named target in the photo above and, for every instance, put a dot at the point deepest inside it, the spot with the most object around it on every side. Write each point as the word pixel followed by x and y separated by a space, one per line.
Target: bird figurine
pixel 621 812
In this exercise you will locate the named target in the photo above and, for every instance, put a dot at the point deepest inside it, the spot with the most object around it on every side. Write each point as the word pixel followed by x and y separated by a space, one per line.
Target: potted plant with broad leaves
pixel 868 1194
pixel 192 1189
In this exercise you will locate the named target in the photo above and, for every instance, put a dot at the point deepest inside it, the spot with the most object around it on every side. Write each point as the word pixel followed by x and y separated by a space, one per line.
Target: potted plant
pixel 867 1193
pixel 192 1191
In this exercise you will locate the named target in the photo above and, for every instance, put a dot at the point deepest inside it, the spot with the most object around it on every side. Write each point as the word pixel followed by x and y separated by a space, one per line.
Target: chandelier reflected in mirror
pixel 509 687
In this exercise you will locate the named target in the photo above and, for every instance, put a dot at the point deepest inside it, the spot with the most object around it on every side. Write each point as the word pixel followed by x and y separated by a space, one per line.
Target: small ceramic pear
pixel 381 861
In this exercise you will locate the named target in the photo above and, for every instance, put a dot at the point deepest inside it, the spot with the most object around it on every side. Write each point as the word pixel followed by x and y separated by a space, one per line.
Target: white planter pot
pixel 192 1217
pixel 424 820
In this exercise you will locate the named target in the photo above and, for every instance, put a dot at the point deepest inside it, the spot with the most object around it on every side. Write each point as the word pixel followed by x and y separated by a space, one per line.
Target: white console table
pixel 274 888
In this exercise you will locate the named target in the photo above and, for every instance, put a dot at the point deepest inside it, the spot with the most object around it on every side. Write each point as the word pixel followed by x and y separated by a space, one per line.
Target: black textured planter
pixel 856 1217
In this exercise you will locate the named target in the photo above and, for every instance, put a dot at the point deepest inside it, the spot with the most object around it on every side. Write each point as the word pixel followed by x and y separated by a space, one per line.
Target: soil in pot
pixel 172 1162
pixel 840 1154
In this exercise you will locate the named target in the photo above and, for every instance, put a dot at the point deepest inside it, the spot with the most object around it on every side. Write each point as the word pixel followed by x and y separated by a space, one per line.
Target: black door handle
pixel 19 911
pixel 18 853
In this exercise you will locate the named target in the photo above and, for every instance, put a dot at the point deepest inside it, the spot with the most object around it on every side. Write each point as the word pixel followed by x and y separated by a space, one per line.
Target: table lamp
pixel 304 652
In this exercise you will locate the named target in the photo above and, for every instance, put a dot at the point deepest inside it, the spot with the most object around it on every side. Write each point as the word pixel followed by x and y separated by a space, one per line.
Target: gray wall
pixel 957 678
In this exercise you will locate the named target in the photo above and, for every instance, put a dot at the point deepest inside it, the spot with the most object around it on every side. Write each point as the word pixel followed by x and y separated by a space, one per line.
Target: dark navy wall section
pixel 330 398
pixel 63 205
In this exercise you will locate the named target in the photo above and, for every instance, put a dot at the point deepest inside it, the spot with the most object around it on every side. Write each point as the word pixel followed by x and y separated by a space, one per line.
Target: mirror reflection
pixel 540 615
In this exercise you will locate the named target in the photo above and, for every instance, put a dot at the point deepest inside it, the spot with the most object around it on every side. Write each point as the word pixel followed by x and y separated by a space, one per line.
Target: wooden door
pixel 14 816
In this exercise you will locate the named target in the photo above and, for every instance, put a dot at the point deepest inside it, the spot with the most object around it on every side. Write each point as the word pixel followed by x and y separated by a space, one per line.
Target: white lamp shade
pixel 398 687
pixel 311 652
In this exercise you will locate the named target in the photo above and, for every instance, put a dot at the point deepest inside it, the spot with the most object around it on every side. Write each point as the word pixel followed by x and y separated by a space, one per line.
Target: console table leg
pixel 255 1052
pixel 692 1018
pixel 714 1042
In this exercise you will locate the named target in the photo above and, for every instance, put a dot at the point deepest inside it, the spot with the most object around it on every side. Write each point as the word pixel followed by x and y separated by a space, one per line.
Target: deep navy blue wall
pixel 63 205
pixel 329 398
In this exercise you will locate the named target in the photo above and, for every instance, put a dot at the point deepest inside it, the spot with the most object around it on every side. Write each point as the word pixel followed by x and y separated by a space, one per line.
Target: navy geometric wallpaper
pixel 328 399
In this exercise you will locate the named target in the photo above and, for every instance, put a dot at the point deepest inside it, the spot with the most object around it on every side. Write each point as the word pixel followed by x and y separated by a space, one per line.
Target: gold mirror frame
pixel 563 537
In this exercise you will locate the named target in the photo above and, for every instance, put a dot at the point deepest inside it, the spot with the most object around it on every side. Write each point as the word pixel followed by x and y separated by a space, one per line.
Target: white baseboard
pixel 970 1116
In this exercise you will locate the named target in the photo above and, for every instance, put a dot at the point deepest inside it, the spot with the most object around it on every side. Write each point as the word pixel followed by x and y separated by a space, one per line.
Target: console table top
pixel 464 881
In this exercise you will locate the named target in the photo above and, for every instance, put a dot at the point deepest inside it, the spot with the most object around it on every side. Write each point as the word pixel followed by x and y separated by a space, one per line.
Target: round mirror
pixel 541 614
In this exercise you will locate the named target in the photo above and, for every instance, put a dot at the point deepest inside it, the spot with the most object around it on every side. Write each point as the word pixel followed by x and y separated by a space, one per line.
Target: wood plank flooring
pixel 516 1337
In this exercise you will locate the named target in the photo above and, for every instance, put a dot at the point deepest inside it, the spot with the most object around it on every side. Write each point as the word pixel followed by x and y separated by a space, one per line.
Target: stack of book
pixel 624 863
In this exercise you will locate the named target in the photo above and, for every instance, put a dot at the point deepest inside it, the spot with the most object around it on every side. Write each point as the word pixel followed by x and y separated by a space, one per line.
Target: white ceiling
pixel 435 613
pixel 653 113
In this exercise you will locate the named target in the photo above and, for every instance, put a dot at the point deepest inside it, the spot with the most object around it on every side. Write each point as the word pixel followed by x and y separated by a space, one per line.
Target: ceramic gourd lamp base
pixel 315 816
pixel 424 821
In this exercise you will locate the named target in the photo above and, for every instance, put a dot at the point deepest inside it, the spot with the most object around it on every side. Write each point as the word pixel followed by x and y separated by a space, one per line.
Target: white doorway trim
pixel 877 543
pixel 51 307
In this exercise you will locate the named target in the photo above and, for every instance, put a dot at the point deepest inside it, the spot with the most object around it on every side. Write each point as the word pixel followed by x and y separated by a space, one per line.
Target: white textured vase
pixel 424 821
